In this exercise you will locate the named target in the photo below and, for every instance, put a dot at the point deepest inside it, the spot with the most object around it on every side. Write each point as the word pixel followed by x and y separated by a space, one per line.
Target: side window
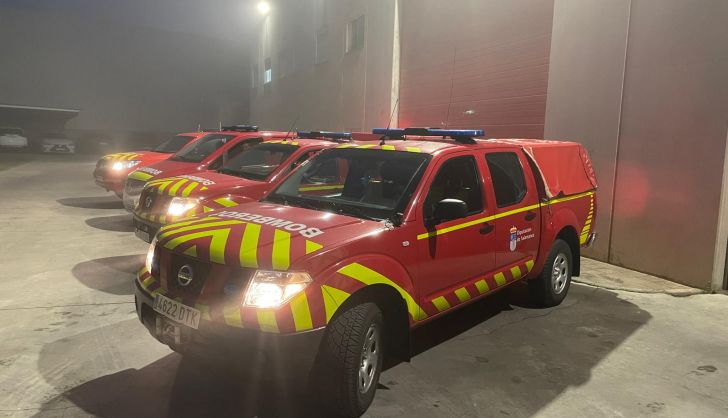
pixel 240 147
pixel 215 165
pixel 457 179
pixel 302 158
pixel 507 174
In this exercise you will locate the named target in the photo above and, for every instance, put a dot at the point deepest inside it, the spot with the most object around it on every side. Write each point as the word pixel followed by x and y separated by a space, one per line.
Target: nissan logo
pixel 148 202
pixel 185 275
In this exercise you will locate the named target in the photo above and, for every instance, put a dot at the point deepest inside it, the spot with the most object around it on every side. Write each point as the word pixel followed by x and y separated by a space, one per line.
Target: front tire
pixel 552 284
pixel 350 360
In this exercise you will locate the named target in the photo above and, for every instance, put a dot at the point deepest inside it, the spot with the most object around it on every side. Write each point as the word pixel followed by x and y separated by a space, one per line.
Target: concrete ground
pixel 70 344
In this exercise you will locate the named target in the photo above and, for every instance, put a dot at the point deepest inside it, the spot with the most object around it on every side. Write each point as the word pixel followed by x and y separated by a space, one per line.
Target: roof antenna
pixel 291 128
pixel 199 127
pixel 219 125
pixel 386 132
pixel 452 83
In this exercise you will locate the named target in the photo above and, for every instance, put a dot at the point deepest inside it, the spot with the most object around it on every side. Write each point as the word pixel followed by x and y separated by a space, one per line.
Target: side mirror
pixel 448 209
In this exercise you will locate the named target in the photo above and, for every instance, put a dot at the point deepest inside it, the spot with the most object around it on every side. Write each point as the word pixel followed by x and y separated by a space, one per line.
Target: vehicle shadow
pixel 92 202
pixel 491 358
pixel 113 275
pixel 116 223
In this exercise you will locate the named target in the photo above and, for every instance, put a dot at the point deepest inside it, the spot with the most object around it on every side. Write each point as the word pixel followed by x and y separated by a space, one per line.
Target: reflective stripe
pixel 462 294
pixel 267 320
pixel 196 221
pixel 140 175
pixel 529 265
pixel 249 246
pixel 225 202
pixel 413 149
pixel 312 246
pixel 313 188
pixel 186 192
pixel 388 147
pixel 173 189
pixel 301 313
pixel 500 279
pixel 516 272
pixel 369 277
pixel 498 216
pixel 441 303
pixel 192 251
pixel 182 228
pixel 217 243
pixel 232 317
pixel 482 286
pixel 204 311
pixel 367 146
pixel 281 250
pixel 333 298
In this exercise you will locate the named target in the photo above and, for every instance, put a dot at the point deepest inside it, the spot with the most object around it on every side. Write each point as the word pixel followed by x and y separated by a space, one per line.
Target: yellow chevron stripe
pixel 388 147
pixel 312 246
pixel 192 251
pixel 413 149
pixel 185 223
pixel 301 313
pixel 267 320
pixel 482 286
pixel 193 227
pixel 173 189
pixel 281 250
pixel 529 265
pixel 217 244
pixel 249 246
pixel 369 277
pixel 516 272
pixel 333 298
pixel 500 279
pixel 186 192
pixel 231 313
pixel 224 201
pixel 140 175
pixel 204 311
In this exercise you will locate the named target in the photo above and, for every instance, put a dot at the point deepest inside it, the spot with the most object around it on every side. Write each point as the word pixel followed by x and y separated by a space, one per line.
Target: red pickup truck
pixel 420 224
pixel 111 170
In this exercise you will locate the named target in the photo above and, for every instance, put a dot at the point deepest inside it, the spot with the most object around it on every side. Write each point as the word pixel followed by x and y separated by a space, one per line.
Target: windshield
pixel 368 184
pixel 202 148
pixel 173 144
pixel 259 161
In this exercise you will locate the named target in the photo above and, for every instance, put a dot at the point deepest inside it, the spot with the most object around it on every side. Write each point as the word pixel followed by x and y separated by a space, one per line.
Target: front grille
pixel 200 269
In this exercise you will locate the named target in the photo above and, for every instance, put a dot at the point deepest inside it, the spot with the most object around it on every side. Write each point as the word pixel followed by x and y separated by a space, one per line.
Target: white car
pixel 13 138
pixel 58 144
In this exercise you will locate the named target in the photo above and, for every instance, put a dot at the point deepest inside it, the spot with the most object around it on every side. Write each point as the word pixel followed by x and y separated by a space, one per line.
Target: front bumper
pixel 113 184
pixel 286 354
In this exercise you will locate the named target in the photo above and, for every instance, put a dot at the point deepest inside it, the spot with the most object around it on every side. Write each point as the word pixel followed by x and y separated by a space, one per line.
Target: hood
pixel 201 184
pixel 262 235
pixel 147 157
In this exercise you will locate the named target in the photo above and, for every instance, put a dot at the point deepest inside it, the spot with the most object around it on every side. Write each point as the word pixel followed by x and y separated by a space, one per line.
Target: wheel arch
pixel 569 235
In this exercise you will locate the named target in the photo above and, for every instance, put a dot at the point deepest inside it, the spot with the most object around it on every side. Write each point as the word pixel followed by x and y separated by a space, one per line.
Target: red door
pixel 455 251
pixel 518 216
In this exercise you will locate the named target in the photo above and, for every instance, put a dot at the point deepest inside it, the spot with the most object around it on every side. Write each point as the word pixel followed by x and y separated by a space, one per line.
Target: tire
pixel 346 380
pixel 552 284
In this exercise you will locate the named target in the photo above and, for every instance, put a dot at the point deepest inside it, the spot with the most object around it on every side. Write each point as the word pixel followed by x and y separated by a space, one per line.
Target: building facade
pixel 640 82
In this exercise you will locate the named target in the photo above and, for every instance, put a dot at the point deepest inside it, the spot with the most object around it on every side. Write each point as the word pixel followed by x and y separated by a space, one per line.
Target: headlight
pixel 271 289
pixel 120 165
pixel 150 255
pixel 179 205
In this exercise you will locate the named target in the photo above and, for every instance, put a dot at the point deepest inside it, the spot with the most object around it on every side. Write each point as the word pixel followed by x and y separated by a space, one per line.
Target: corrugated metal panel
pixel 481 64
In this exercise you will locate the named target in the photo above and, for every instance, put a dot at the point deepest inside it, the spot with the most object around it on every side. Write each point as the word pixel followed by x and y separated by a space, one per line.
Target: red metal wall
pixel 487 60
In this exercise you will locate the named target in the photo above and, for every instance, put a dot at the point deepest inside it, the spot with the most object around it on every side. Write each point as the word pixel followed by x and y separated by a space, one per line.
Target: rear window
pixel 202 148
pixel 173 144
pixel 506 172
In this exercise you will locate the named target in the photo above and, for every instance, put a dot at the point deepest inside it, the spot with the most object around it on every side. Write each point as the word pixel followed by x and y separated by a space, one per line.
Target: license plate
pixel 177 312
pixel 143 235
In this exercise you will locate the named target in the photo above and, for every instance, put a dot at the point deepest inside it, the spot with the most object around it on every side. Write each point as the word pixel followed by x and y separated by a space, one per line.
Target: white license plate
pixel 177 312
pixel 144 235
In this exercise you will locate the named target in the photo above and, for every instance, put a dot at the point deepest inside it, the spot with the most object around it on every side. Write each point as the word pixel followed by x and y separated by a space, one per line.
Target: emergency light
pixel 241 128
pixel 323 134
pixel 452 133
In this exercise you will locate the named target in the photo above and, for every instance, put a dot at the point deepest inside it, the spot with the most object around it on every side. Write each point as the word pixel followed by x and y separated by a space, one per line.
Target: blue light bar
pixel 324 134
pixel 429 132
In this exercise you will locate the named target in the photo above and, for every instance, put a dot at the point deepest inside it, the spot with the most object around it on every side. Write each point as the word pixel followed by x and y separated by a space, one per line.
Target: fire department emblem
pixel 148 202
pixel 185 275
pixel 513 238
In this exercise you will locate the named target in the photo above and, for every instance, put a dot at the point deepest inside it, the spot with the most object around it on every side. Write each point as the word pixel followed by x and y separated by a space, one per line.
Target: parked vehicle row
pixel 317 253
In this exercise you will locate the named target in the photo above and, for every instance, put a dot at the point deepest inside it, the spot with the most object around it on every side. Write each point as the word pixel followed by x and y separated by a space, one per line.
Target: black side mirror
pixel 448 209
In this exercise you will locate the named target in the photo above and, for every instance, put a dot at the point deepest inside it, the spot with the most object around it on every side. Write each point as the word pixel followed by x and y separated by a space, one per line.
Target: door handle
pixel 485 229
pixel 530 216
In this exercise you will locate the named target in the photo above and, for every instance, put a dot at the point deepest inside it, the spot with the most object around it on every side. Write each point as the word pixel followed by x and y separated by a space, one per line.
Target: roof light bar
pixel 324 134
pixel 452 133
pixel 241 128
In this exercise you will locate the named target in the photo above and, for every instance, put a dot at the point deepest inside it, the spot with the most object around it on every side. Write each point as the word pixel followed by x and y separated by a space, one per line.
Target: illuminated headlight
pixel 150 255
pixel 179 205
pixel 271 289
pixel 121 165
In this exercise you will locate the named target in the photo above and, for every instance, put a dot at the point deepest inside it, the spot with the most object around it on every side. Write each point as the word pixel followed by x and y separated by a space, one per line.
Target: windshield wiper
pixel 353 211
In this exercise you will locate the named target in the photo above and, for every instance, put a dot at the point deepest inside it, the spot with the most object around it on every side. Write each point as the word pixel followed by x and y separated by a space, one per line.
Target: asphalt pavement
pixel 70 343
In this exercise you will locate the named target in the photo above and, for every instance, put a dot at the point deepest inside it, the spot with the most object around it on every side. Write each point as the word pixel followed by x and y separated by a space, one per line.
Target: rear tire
pixel 552 284
pixel 350 360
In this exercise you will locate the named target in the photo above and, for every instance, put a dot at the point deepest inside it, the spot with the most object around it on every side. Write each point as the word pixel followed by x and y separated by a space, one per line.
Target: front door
pixel 454 252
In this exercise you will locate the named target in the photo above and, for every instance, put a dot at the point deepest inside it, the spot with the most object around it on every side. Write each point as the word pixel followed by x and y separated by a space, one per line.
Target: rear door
pixel 518 216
